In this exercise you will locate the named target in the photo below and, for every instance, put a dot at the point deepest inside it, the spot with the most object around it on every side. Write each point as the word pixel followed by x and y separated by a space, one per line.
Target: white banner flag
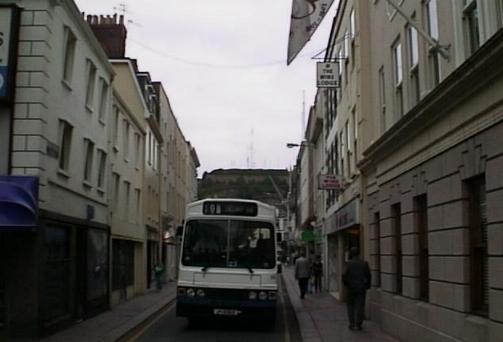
pixel 305 19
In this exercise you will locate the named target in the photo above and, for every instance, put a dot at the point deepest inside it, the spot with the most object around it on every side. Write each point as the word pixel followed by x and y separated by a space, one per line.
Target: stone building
pixel 431 167
pixel 54 255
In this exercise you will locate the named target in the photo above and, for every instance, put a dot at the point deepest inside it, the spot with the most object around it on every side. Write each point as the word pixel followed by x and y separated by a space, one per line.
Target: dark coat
pixel 356 277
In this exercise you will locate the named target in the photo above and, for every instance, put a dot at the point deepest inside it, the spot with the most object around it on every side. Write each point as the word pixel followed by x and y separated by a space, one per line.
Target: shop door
pixel 3 298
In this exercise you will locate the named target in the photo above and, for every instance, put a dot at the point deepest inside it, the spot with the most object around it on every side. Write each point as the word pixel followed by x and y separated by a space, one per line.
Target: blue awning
pixel 18 201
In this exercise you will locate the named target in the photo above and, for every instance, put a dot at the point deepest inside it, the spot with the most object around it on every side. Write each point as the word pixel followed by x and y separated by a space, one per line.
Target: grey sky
pixel 223 64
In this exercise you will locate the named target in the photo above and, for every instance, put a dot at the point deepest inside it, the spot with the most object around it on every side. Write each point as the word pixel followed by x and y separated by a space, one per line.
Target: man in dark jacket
pixel 356 277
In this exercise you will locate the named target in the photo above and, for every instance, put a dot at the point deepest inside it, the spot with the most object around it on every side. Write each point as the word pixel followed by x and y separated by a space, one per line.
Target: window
pixel 341 152
pixel 421 220
pixel 377 251
pixel 471 25
pixel 432 25
pixel 88 163
pixel 91 80
pixel 125 138
pixel 138 204
pixel 149 148
pixel 103 101
pixel 102 158
pixel 346 57
pixel 479 279
pixel 348 146
pixel 69 54
pixel 138 149
pixel 115 128
pixel 413 64
pixel 382 98
pixel 65 144
pixel 127 193
pixel 355 136
pixel 398 78
pixel 115 188
pixel 396 217
pixel 352 33
pixel 499 12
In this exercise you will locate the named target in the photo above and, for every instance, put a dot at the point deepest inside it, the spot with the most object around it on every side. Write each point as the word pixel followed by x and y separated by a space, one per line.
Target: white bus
pixel 228 260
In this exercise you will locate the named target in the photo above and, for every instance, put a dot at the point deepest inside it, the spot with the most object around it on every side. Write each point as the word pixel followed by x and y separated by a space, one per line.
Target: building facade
pixel 430 173
pixel 59 113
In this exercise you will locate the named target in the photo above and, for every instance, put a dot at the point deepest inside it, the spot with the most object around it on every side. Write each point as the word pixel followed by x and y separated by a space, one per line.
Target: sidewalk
pixel 113 324
pixel 322 318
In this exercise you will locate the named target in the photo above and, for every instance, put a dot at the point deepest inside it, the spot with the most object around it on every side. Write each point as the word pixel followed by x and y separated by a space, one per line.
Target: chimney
pixel 110 33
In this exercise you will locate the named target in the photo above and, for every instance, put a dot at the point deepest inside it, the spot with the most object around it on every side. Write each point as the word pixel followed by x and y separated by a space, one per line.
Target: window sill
pixel 63 174
pixel 67 85
pixel 100 191
pixel 89 109
pixel 115 148
pixel 102 122
pixel 87 185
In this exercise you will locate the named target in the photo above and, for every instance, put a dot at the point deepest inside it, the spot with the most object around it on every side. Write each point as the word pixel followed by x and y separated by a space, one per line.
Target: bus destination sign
pixel 230 208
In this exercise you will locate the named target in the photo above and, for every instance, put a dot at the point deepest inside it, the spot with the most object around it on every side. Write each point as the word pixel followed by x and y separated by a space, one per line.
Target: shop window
pixel 479 267
pixel 123 264
pixel 421 213
pixel 396 216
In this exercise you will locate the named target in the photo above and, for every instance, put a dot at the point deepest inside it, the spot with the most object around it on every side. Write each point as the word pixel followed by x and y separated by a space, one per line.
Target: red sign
pixel 330 182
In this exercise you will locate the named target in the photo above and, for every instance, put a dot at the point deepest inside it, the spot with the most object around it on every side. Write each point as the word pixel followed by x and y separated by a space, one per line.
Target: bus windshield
pixel 229 243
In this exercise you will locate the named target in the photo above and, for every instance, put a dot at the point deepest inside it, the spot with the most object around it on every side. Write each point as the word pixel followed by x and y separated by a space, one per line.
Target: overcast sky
pixel 223 65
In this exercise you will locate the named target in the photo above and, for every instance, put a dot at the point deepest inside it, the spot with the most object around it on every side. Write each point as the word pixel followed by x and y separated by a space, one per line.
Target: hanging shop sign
pixel 331 182
pixel 9 24
pixel 327 75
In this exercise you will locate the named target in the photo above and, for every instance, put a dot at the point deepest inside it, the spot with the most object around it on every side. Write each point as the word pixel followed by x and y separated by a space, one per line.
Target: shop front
pixel 342 231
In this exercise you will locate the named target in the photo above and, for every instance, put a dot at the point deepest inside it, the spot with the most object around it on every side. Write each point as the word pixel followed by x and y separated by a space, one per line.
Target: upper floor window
pixel 382 98
pixel 413 47
pixel 432 18
pixel 398 77
pixel 91 80
pixel 125 139
pixel 471 25
pixel 499 12
pixel 103 100
pixel 88 162
pixel 65 143
pixel 352 24
pixel 69 54
pixel 102 158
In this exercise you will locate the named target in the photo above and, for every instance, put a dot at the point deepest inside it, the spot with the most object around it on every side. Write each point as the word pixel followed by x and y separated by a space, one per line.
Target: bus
pixel 227 265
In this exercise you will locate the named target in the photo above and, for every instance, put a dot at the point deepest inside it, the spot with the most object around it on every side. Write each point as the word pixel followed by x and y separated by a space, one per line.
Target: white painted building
pixel 59 136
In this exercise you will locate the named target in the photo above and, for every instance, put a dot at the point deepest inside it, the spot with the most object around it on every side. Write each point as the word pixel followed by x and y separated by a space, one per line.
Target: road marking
pixel 160 314
pixel 287 330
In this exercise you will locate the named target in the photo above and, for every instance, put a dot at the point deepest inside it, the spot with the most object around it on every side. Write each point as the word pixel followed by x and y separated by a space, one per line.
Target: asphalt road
pixel 167 327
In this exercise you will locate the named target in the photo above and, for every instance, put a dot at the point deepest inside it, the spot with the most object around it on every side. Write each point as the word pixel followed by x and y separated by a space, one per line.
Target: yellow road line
pixel 151 323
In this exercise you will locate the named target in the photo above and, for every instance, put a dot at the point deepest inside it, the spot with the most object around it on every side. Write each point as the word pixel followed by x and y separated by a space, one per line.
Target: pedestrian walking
pixel 302 273
pixel 317 273
pixel 357 279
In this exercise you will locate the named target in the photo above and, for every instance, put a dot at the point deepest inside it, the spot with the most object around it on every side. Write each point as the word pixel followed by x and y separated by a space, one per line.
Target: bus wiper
pixel 250 269
pixel 205 268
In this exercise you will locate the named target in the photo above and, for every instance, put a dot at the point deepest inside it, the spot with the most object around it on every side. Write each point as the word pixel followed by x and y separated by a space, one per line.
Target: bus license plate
pixel 226 312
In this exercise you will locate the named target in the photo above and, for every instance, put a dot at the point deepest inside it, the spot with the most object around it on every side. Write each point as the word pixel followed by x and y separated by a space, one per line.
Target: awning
pixel 18 201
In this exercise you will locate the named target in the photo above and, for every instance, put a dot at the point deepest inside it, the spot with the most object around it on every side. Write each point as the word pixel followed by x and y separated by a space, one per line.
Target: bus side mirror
pixel 280 267
pixel 179 231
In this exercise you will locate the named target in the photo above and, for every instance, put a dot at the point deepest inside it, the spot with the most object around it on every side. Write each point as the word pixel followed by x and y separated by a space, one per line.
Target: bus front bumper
pixel 205 307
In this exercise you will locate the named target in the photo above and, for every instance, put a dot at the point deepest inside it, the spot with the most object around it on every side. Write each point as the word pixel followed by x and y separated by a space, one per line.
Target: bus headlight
pixel 262 295
pixel 182 291
pixel 252 295
pixel 200 293
pixel 271 295
pixel 191 292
